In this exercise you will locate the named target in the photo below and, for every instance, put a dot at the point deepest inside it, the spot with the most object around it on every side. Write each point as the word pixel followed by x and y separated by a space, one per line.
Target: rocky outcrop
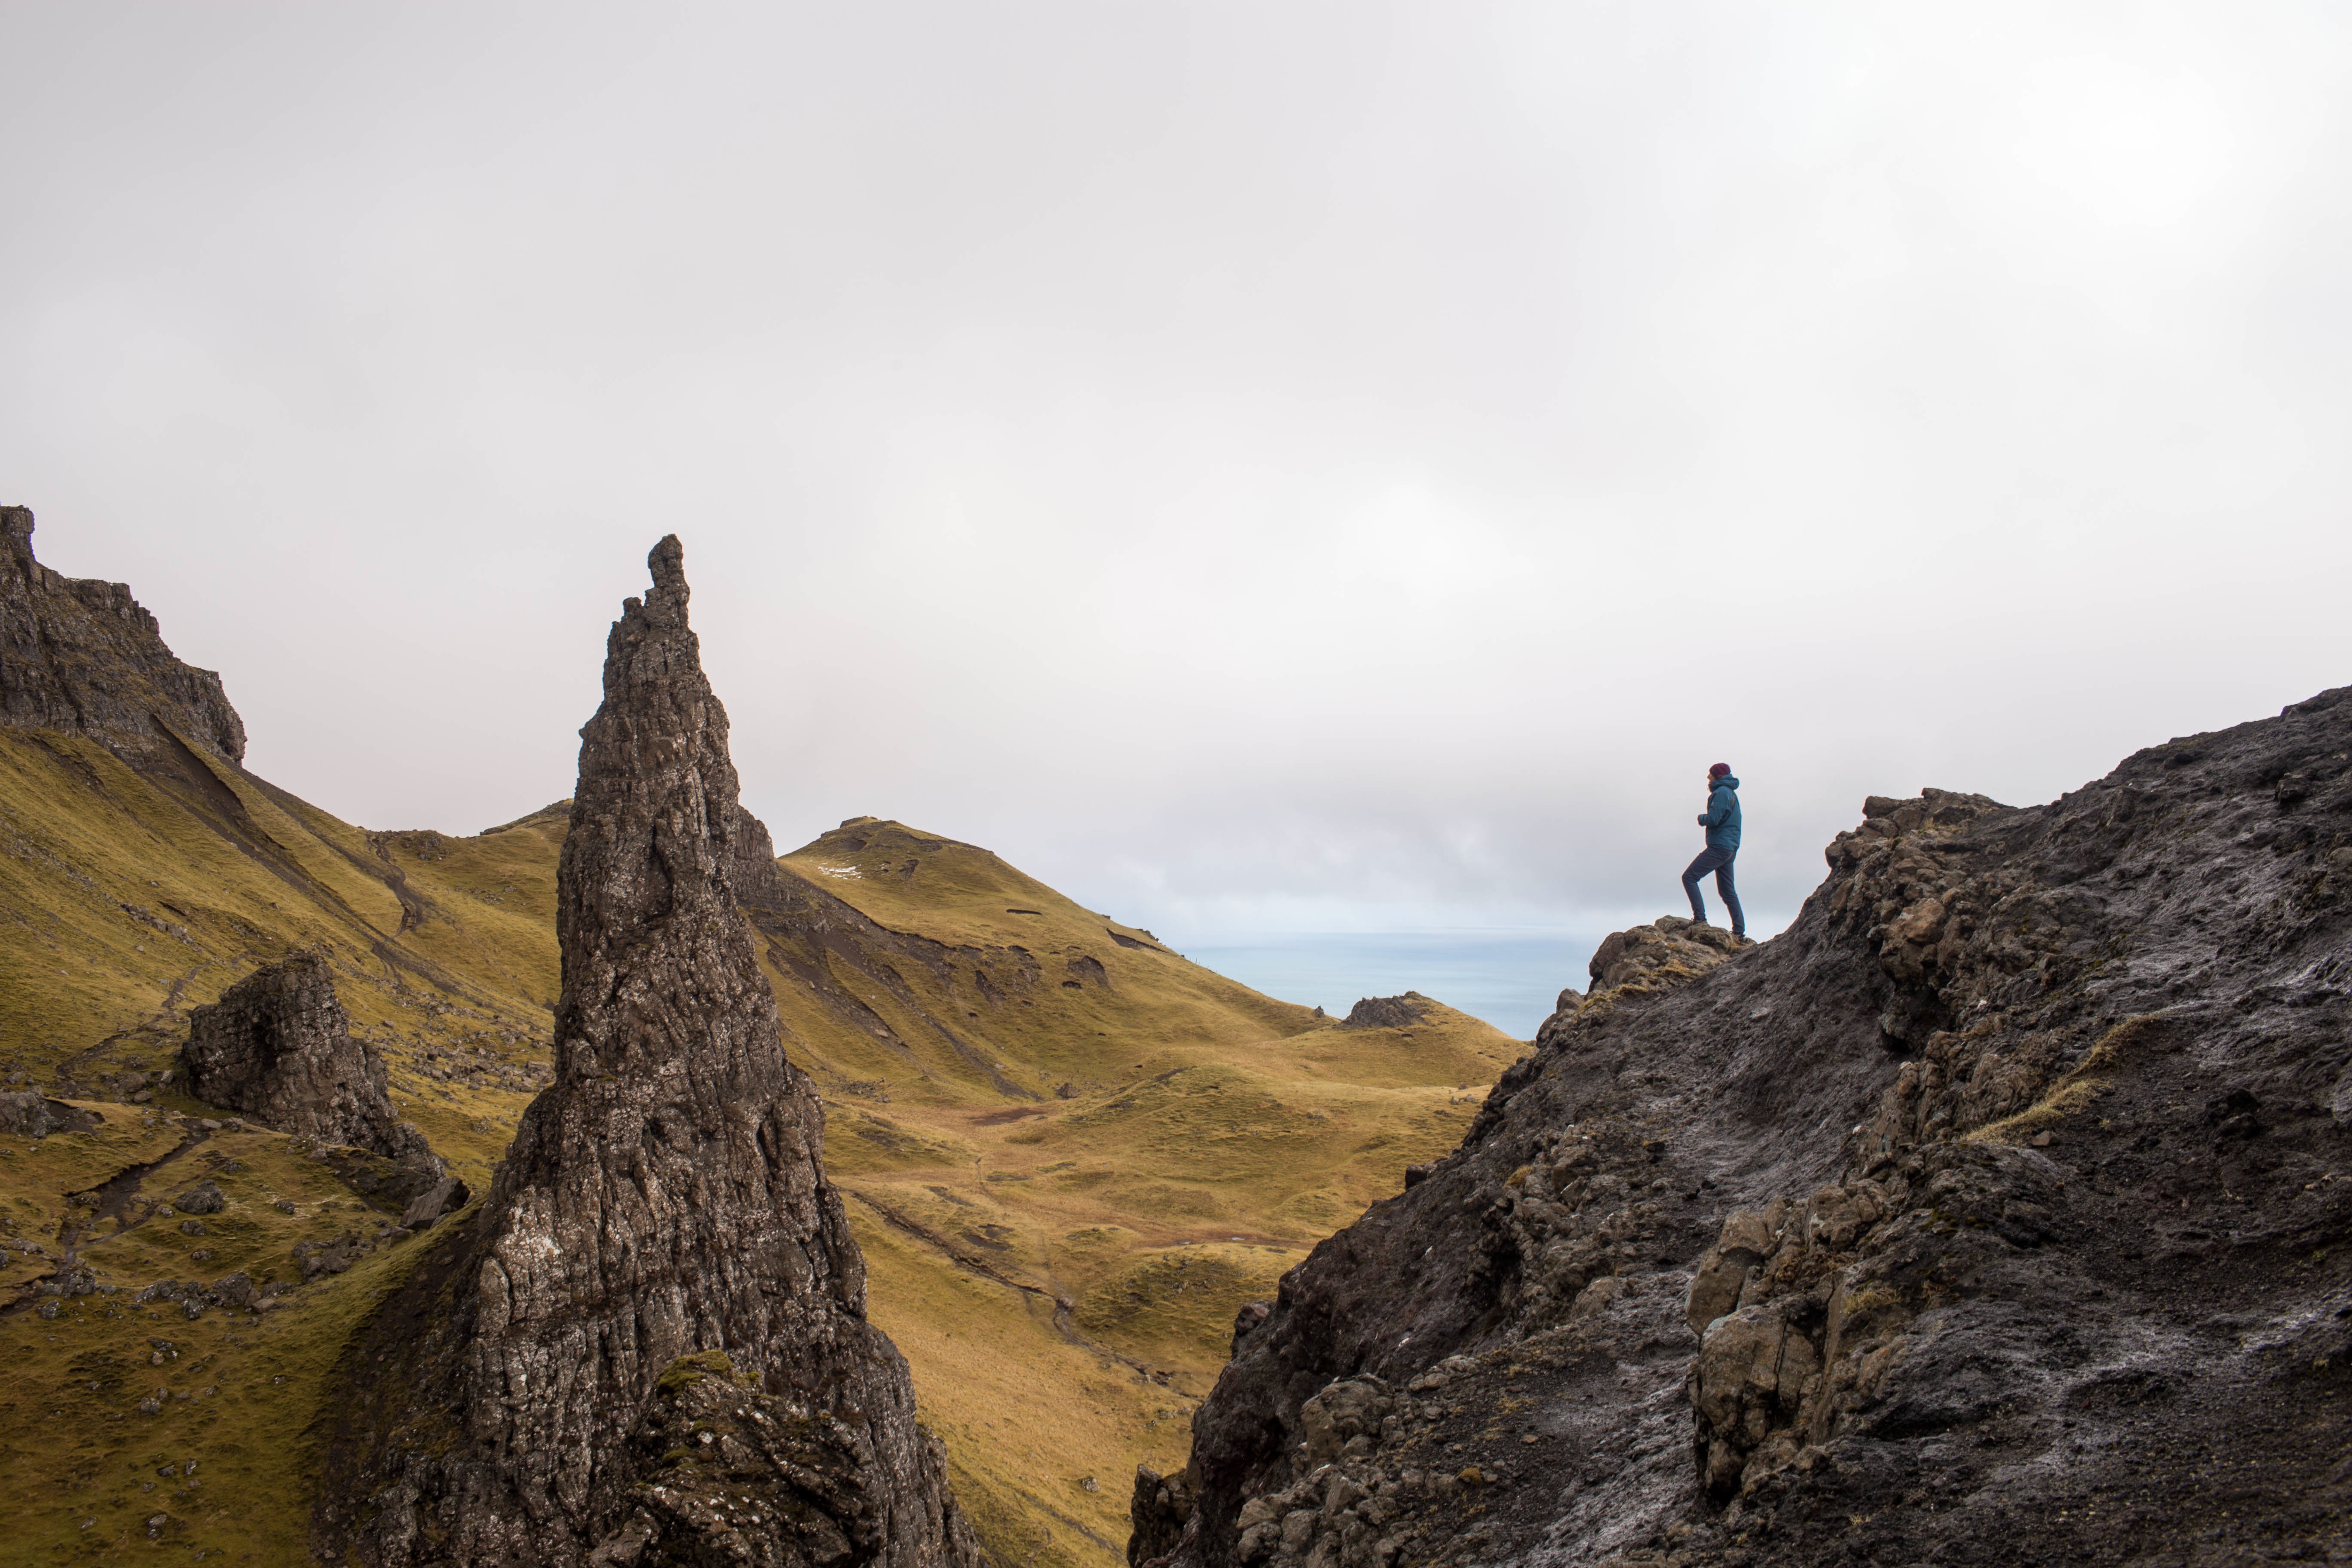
pixel 28 1114
pixel 660 1266
pixel 1161 1508
pixel 1992 1213
pixel 1643 961
pixel 1387 1012
pixel 277 1046
pixel 83 656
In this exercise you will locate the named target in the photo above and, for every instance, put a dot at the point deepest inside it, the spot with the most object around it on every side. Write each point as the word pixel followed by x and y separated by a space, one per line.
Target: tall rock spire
pixel 663 1211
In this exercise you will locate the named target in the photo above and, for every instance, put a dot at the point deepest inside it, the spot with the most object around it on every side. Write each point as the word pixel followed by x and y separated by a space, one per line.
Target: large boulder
pixel 277 1046
pixel 28 1114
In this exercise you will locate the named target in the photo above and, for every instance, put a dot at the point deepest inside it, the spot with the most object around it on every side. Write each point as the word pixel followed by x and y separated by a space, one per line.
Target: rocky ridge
pixel 83 656
pixel 1993 1213
pixel 648 1344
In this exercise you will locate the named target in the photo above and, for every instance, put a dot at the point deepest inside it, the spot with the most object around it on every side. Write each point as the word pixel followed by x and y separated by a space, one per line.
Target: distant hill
pixel 1073 1155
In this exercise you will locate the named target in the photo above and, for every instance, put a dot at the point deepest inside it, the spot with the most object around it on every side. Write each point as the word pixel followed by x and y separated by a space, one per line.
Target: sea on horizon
pixel 1508 976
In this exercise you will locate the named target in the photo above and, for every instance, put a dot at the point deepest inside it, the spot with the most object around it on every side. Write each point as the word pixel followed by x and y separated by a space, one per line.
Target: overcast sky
pixel 1255 465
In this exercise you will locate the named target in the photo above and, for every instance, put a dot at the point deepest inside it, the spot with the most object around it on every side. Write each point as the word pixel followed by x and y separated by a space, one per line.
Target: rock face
pixel 1993 1213
pixel 660 1258
pixel 277 1046
pixel 1161 1507
pixel 81 656
pixel 1387 1012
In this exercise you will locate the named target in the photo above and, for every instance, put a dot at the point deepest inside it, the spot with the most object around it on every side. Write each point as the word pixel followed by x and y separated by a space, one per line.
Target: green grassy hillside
pixel 1070 1154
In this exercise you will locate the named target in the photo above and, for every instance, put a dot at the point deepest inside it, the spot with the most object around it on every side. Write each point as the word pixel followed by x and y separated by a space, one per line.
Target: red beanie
pixel 1720 771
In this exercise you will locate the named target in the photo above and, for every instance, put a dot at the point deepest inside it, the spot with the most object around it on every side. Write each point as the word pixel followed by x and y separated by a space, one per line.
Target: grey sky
pixel 1253 465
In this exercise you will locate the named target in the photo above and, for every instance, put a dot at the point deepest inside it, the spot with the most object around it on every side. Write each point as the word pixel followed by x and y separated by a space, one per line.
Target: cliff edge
pixel 84 656
pixel 1996 1212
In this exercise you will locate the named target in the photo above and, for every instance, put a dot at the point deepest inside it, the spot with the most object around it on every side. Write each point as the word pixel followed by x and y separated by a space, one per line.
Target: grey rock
pixel 731 1472
pixel 446 1195
pixel 1247 1320
pixel 1387 1012
pixel 2008 1183
pixel 1161 1508
pixel 662 1200
pixel 29 1115
pixel 205 1197
pixel 74 1279
pixel 278 1047
pixel 81 656
pixel 318 1257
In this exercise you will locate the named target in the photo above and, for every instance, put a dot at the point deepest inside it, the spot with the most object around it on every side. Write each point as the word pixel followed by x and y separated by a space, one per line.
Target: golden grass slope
pixel 129 895
pixel 1073 1155
pixel 126 1423
pixel 1070 1154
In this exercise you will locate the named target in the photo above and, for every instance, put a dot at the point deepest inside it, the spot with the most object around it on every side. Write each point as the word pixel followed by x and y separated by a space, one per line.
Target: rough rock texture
pixel 1161 1508
pixel 277 1046
pixel 1387 1012
pixel 28 1114
pixel 519 1399
pixel 1997 1211
pixel 81 656
pixel 731 1473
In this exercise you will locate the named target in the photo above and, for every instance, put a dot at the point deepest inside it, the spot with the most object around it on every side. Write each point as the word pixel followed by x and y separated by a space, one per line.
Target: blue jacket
pixel 1722 818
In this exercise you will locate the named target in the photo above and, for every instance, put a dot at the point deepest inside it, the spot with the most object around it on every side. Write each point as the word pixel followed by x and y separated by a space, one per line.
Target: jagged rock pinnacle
pixel 662 1219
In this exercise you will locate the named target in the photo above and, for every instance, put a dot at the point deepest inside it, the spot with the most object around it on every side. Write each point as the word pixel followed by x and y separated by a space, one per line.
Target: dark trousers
pixel 1719 862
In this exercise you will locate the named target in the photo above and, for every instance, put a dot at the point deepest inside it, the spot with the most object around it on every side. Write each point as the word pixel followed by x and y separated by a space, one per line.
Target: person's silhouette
pixel 1721 820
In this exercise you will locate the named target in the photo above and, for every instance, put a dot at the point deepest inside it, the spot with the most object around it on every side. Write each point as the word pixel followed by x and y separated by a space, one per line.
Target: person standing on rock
pixel 1721 820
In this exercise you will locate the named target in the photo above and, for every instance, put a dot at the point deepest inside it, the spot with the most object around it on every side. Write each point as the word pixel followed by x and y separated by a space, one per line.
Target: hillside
pixel 1073 1155
pixel 1997 1211
pixel 1070 1154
